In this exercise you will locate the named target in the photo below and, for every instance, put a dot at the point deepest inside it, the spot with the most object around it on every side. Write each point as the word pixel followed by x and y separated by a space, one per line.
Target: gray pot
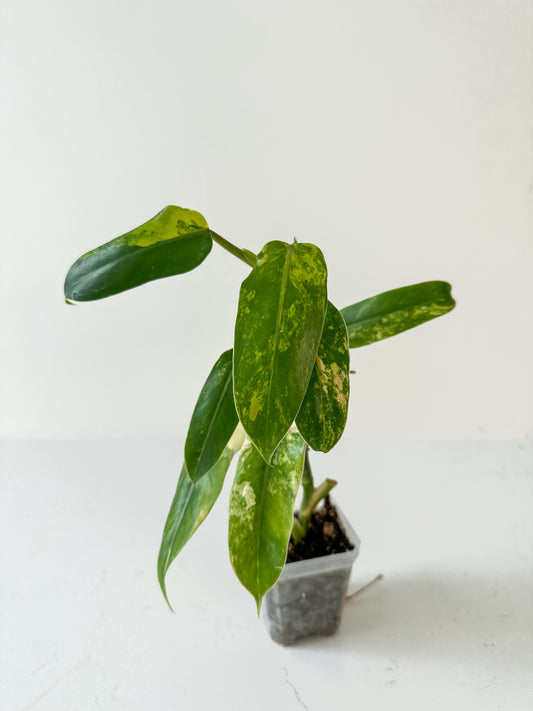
pixel 309 594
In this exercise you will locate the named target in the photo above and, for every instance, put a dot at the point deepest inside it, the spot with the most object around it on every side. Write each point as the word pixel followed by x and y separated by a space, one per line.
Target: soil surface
pixel 324 537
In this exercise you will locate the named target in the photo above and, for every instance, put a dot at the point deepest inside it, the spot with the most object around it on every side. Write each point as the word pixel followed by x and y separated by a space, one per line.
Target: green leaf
pixel 190 506
pixel 261 512
pixel 322 417
pixel 213 421
pixel 175 241
pixel 395 311
pixel 282 306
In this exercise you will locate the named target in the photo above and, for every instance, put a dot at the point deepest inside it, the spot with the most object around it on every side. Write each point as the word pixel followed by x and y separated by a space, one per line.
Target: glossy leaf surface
pixel 175 241
pixel 282 306
pixel 214 419
pixel 190 506
pixel 395 311
pixel 261 513
pixel 322 417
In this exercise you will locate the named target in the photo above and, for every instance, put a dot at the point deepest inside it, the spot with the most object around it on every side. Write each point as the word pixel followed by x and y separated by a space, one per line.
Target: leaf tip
pixel 189 464
pixel 162 585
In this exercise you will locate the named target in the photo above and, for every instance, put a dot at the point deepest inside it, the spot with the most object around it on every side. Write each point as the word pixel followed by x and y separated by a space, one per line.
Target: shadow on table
pixel 423 614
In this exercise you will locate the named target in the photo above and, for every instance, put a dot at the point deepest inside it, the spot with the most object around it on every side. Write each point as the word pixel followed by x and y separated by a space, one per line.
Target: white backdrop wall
pixel 396 135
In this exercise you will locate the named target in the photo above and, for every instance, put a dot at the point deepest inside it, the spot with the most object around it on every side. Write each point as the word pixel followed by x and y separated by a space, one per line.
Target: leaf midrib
pixel 281 303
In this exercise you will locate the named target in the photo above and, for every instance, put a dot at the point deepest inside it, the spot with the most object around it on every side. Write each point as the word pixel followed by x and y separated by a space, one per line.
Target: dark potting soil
pixel 324 536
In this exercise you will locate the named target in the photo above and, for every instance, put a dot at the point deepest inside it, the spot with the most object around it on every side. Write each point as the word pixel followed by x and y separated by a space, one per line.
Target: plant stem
pixel 243 254
pixel 311 497
pixel 298 532
pixel 308 484
pixel 318 494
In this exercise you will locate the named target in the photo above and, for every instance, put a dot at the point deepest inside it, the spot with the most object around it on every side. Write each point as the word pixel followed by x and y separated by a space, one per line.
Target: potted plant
pixel 282 389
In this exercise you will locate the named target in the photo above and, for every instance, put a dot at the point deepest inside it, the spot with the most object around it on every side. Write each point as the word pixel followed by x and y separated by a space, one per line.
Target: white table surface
pixel 84 625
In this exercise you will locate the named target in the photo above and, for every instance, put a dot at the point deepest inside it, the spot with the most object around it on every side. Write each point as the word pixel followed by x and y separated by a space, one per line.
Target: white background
pixel 396 135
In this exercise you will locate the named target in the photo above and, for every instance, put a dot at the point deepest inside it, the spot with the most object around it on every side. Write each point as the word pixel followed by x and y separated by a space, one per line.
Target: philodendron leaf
pixel 281 312
pixel 323 414
pixel 213 421
pixel 395 311
pixel 190 506
pixel 175 241
pixel 261 512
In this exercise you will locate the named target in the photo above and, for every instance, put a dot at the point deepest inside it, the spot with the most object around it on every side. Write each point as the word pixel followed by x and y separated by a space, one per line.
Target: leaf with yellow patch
pixel 322 417
pixel 282 306
pixel 175 241
pixel 261 513
pixel 395 311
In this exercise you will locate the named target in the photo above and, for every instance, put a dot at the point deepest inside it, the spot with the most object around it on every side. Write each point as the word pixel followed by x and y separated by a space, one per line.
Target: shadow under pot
pixel 309 595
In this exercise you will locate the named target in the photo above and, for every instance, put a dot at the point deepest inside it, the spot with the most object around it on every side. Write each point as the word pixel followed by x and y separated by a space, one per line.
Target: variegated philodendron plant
pixel 283 388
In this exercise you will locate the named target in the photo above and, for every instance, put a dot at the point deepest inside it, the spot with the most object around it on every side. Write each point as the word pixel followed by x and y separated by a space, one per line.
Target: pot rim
pixel 321 564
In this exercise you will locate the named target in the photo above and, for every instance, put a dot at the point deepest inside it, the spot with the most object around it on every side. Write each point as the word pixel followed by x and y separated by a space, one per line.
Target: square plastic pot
pixel 309 595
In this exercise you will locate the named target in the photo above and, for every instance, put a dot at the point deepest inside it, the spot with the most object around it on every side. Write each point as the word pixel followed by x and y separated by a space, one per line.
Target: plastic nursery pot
pixel 309 595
